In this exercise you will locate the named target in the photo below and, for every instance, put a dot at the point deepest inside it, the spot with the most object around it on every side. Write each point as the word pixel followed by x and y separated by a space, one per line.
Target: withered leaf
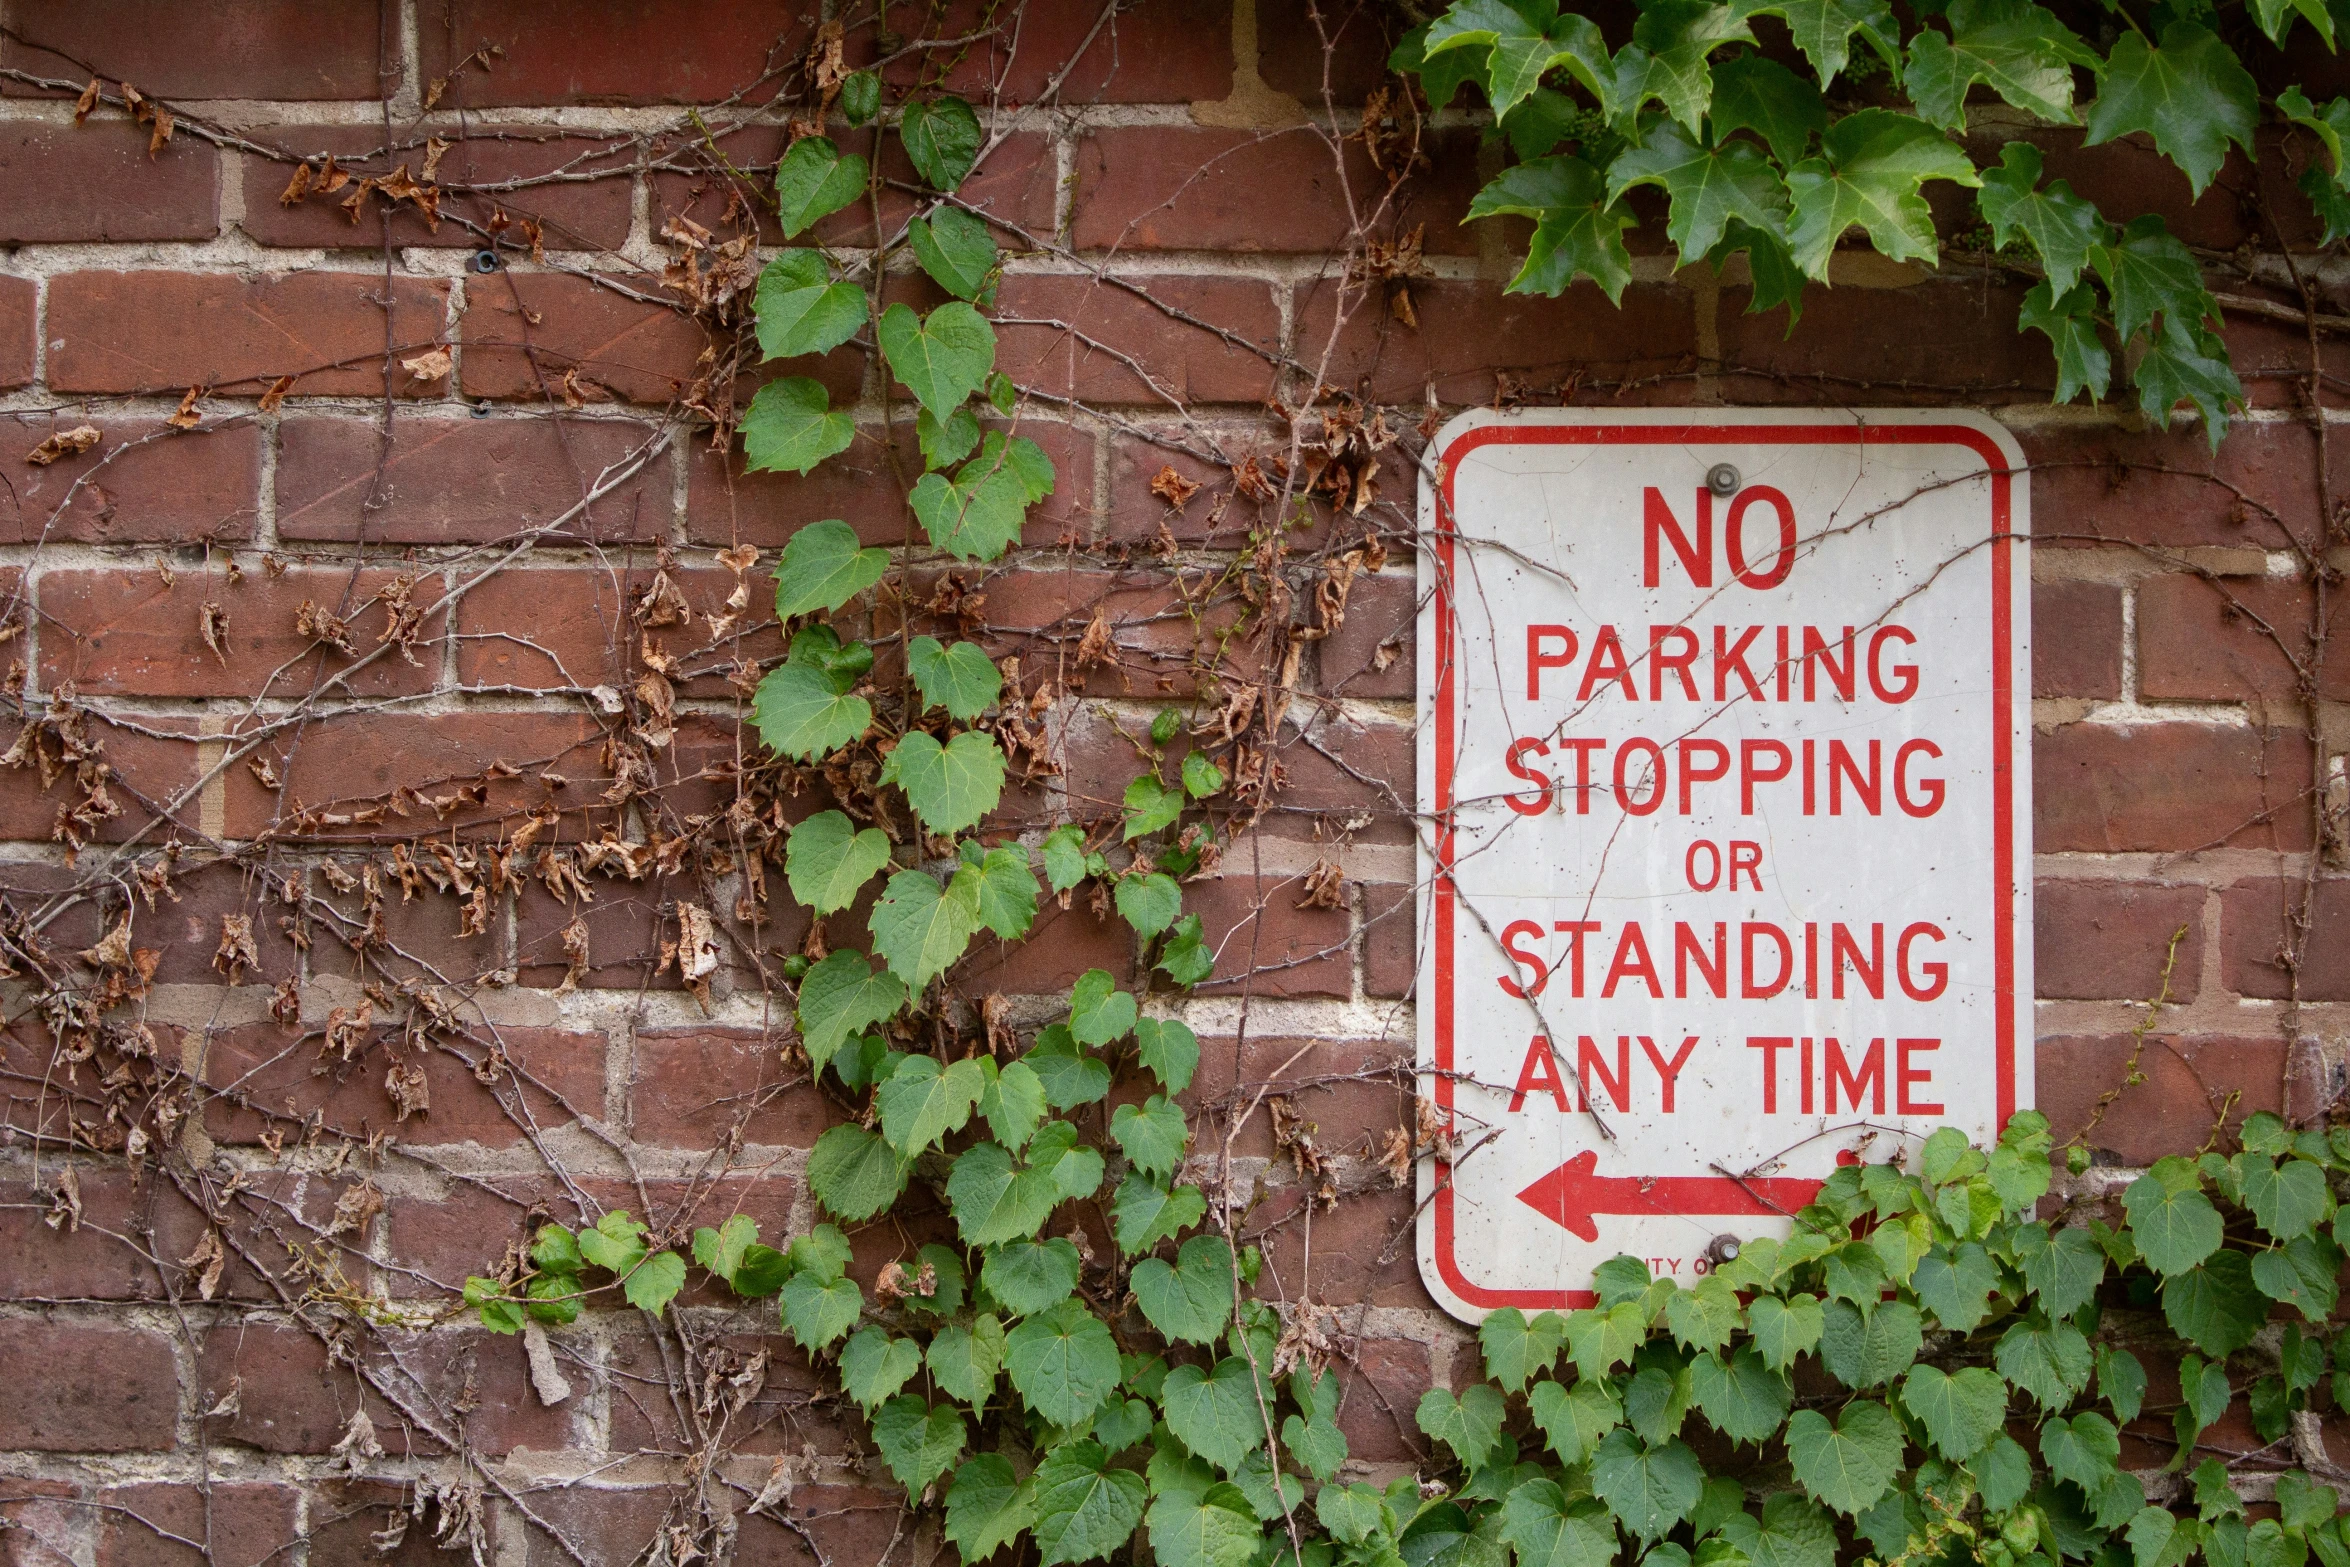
pixel 297 187
pixel 185 416
pixel 85 103
pixel 211 1258
pixel 63 443
pixel 428 366
pixel 237 952
pixel 212 625
pixel 275 395
pixel 1172 487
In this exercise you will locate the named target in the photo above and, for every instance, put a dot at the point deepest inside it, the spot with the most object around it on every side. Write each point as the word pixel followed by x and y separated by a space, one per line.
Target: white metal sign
pixel 1724 755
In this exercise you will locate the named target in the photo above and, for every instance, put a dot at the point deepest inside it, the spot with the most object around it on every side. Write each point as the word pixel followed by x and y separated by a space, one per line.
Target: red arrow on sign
pixel 1572 1193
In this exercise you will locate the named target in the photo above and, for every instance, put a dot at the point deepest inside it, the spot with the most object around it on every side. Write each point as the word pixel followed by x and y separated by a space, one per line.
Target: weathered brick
pixel 694 1087
pixel 1168 53
pixel 187 931
pixel 528 334
pixel 306 49
pixel 1345 776
pixel 2271 356
pixel 79 1387
pixel 598 1525
pixel 2187 1084
pixel 625 927
pixel 1142 188
pixel 171 1524
pixel 348 1517
pixel 167 331
pixel 292 1399
pixel 129 632
pixel 142 482
pixel 2091 483
pixel 548 52
pixel 435 756
pixel 60 184
pixel 2100 940
pixel 2255 933
pixel 145 774
pixel 2129 176
pixel 573 214
pixel 466 481
pixel 17 297
pixel 1370 655
pixel 2076 639
pixel 558 1077
pixel 1341 49
pixel 46 1524
pixel 1899 345
pixel 100 1262
pixel 1102 342
pixel 2233 640
pixel 1390 937
pixel 849 1524
pixel 1264 942
pixel 2112 788
pixel 780 1418
pixel 570 627
pixel 433 1243
pixel 1380 1391
pixel 1351 1089
pixel 1015 184
pixel 1361 1252
pixel 1157 648
pixel 1062 945
pixel 1216 515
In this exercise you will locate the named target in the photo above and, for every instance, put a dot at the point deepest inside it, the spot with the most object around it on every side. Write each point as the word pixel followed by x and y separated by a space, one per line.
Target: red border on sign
pixel 2002 740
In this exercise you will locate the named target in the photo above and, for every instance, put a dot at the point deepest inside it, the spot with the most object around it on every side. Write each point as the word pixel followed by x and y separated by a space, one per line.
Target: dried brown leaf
pixel 1172 487
pixel 63 443
pixel 185 416
pixel 430 365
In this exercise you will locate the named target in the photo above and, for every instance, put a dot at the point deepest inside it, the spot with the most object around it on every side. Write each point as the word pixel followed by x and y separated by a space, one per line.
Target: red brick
pixel 1362 1250
pixel 1346 777
pixel 82 1388
pixel 99 1260
pixel 550 52
pixel 1350 1089
pixel 2271 356
pixel 1158 649
pixel 2170 488
pixel 526 332
pixel 63 185
pixel 595 1525
pixel 225 1524
pixel 1379 1393
pixel 326 769
pixel 308 49
pixel 2112 788
pixel 2202 640
pixel 1390 934
pixel 2187 1083
pixel 287 1077
pixel 292 1400
pixel 848 1523
pixel 2077 639
pixel 569 627
pixel 167 331
pixel 1918 344
pixel 433 1243
pixel 17 297
pixel 2254 936
pixel 2106 940
pixel 694 1087
pixel 145 775
pixel 625 926
pixel 574 214
pixel 142 482
pixel 466 481
pixel 1058 948
pixel 187 931
pixel 1381 612
pixel 346 1517
pixel 128 632
pixel 1172 52
pixel 2130 176
pixel 785 1414
pixel 1142 188
pixel 1470 330
pixel 1082 337
pixel 1264 943
pixel 1016 184
pixel 44 1526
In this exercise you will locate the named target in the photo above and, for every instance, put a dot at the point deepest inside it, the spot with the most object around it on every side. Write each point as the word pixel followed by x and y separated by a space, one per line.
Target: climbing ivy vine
pixel 1829 123
pixel 1925 1369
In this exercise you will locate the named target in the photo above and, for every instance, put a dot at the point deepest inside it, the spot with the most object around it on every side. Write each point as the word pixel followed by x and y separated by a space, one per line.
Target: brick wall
pixel 1184 220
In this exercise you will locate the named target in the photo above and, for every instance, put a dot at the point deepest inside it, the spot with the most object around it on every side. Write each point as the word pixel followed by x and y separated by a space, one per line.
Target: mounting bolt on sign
pixel 1726 737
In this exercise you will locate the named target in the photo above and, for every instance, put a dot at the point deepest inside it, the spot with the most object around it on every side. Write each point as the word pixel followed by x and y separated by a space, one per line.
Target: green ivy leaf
pixel 2301 1274
pixel 1353 1514
pixel 1573 1419
pixel 2050 1361
pixel 1169 1048
pixel 842 996
pixel 1150 805
pixel 615 1243
pixel 1027 1277
pixel 853 1173
pixel 1578 232
pixel 1959 1411
pixel 964 1360
pixel 499 1316
pixel 955 248
pixel 1064 857
pixel 1216 1529
pixel 2063 1268
pixel 1084 1509
pixel 1516 1348
pixel 918 1442
pixel 942 139
pixel 654 1282
pixel 1955 1284
pixel 997 1199
pixel 2062 228
pixel 1312 1436
pixel 1847 1465
pixel 961 678
pixel 1547 1530
pixel 2188 364
pixel 1600 1338
pixel 1871 165
pixel 922 1102
pixel 721 1250
pixel 987 1507
pixel 1709 186
pixel 1742 1397
pixel 1063 1361
pixel 1149 902
pixel 950 786
pixel 1792 1532
pixel 2191 95
pixel 1070 1077
pixel 2085 1450
pixel 1784 1329
pixel 1705 1315
pixel 1823 29
pixel 1189 1301
pixel 814 181
pixel 1216 1414
pixel 1666 59
pixel 1526 41
pixel 977 515
pixel 1185 956
pixel 2121 1381
pixel 874 1365
pixel 791 426
pixel 1760 95
pixel 942 357
pixel 920 928
pixel 2174 1224
pixel 1649 1489
pixel 1099 1012
pixel 827 860
pixel 2019 50
pixel 801 310
pixel 1013 1103
pixel 860 98
pixel 2214 1305
pixel 1202 778
pixel 816 1312
pixel 803 713
pixel 1152 1135
pixel 1006 889
pixel 948 441
pixel 1145 1213
pixel 2148 273
pixel 2082 363
pixel 823 568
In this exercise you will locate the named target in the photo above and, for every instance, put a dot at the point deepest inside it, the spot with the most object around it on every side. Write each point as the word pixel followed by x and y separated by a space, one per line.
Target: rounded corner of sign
pixel 2001 438
pixel 1467 422
pixel 1433 1277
